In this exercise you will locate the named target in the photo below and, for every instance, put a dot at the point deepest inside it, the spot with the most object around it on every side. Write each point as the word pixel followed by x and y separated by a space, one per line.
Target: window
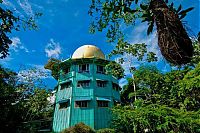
pixel 100 69
pixel 116 87
pixel 81 104
pixel 66 70
pixel 102 103
pixel 85 83
pixel 101 83
pixel 64 105
pixel 84 68
pixel 65 85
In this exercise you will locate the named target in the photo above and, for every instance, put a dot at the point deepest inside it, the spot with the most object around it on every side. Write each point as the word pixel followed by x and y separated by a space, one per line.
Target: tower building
pixel 85 93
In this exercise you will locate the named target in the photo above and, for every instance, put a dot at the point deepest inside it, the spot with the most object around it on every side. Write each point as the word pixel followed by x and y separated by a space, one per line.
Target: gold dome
pixel 88 51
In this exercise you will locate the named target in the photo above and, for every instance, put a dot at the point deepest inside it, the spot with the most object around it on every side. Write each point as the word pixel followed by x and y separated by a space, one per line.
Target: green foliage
pixel 110 15
pixel 177 89
pixel 189 89
pixel 115 69
pixel 7 97
pixel 105 130
pixel 145 78
pixel 79 128
pixel 167 102
pixel 21 103
pixel 9 23
pixel 196 58
pixel 155 118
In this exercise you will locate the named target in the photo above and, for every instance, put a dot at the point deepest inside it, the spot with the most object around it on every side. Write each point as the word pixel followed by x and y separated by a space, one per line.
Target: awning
pixel 63 101
pixel 101 80
pixel 103 99
pixel 83 98
pixel 65 82
pixel 83 80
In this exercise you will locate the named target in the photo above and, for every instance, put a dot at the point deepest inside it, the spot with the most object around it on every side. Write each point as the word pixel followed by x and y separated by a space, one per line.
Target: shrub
pixel 105 130
pixel 79 128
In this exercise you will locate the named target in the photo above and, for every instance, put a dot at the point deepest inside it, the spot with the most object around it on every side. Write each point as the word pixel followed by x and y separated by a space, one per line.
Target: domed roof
pixel 88 51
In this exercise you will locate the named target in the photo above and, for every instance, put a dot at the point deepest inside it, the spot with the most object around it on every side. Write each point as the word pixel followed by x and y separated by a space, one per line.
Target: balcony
pixel 66 76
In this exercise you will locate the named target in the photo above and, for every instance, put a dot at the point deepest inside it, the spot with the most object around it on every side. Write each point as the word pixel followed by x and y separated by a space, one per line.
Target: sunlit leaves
pixel 9 23
pixel 110 15
pixel 21 102
pixel 154 118
pixel 151 57
pixel 115 69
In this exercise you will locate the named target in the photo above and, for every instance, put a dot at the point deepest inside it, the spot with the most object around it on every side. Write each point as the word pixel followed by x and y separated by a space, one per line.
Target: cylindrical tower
pixel 85 92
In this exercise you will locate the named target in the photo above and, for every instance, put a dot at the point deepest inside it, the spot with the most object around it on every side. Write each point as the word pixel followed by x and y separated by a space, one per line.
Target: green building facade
pixel 85 92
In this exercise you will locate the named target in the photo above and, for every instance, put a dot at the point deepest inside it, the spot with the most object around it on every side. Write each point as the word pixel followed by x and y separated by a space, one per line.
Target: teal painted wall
pixel 94 116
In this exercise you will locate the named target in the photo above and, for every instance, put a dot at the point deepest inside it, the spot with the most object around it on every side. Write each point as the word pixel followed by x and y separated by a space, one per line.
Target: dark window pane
pixel 81 103
pixel 83 83
pixel 65 85
pixel 84 68
pixel 100 69
pixel 101 83
pixel 63 105
pixel 102 103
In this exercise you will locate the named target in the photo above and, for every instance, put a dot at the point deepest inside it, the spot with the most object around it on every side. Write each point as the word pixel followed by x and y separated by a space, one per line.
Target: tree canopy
pixel 174 43
pixel 21 103
pixel 9 23
pixel 166 102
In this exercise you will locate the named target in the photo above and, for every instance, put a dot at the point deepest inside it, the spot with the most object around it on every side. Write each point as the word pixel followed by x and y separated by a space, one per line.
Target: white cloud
pixel 53 49
pixel 138 35
pixel 15 42
pixel 122 82
pixel 33 73
pixel 17 45
pixel 8 3
pixel 26 6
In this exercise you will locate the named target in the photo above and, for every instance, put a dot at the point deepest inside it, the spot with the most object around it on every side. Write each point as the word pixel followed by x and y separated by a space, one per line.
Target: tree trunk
pixel 174 43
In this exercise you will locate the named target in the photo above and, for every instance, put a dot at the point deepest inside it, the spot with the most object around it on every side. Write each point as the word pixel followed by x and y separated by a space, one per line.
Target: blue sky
pixel 63 28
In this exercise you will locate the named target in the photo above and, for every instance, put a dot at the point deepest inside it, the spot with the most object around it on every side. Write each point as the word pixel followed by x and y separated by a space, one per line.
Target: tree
pixel 166 102
pixel 7 98
pixel 154 118
pixel 21 104
pixel 145 78
pixel 10 22
pixel 174 43
pixel 115 69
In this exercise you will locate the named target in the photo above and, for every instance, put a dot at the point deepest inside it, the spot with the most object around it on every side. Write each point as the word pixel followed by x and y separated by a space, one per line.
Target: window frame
pixel 102 104
pixel 99 70
pixel 69 86
pixel 62 104
pixel 101 84
pixel 81 104
pixel 115 87
pixel 87 82
pixel 87 68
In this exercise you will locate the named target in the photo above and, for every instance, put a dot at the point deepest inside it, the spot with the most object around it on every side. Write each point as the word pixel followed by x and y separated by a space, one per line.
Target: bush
pixel 105 130
pixel 79 128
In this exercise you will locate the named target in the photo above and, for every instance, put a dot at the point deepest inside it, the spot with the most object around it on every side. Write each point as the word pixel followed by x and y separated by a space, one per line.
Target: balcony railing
pixel 65 76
